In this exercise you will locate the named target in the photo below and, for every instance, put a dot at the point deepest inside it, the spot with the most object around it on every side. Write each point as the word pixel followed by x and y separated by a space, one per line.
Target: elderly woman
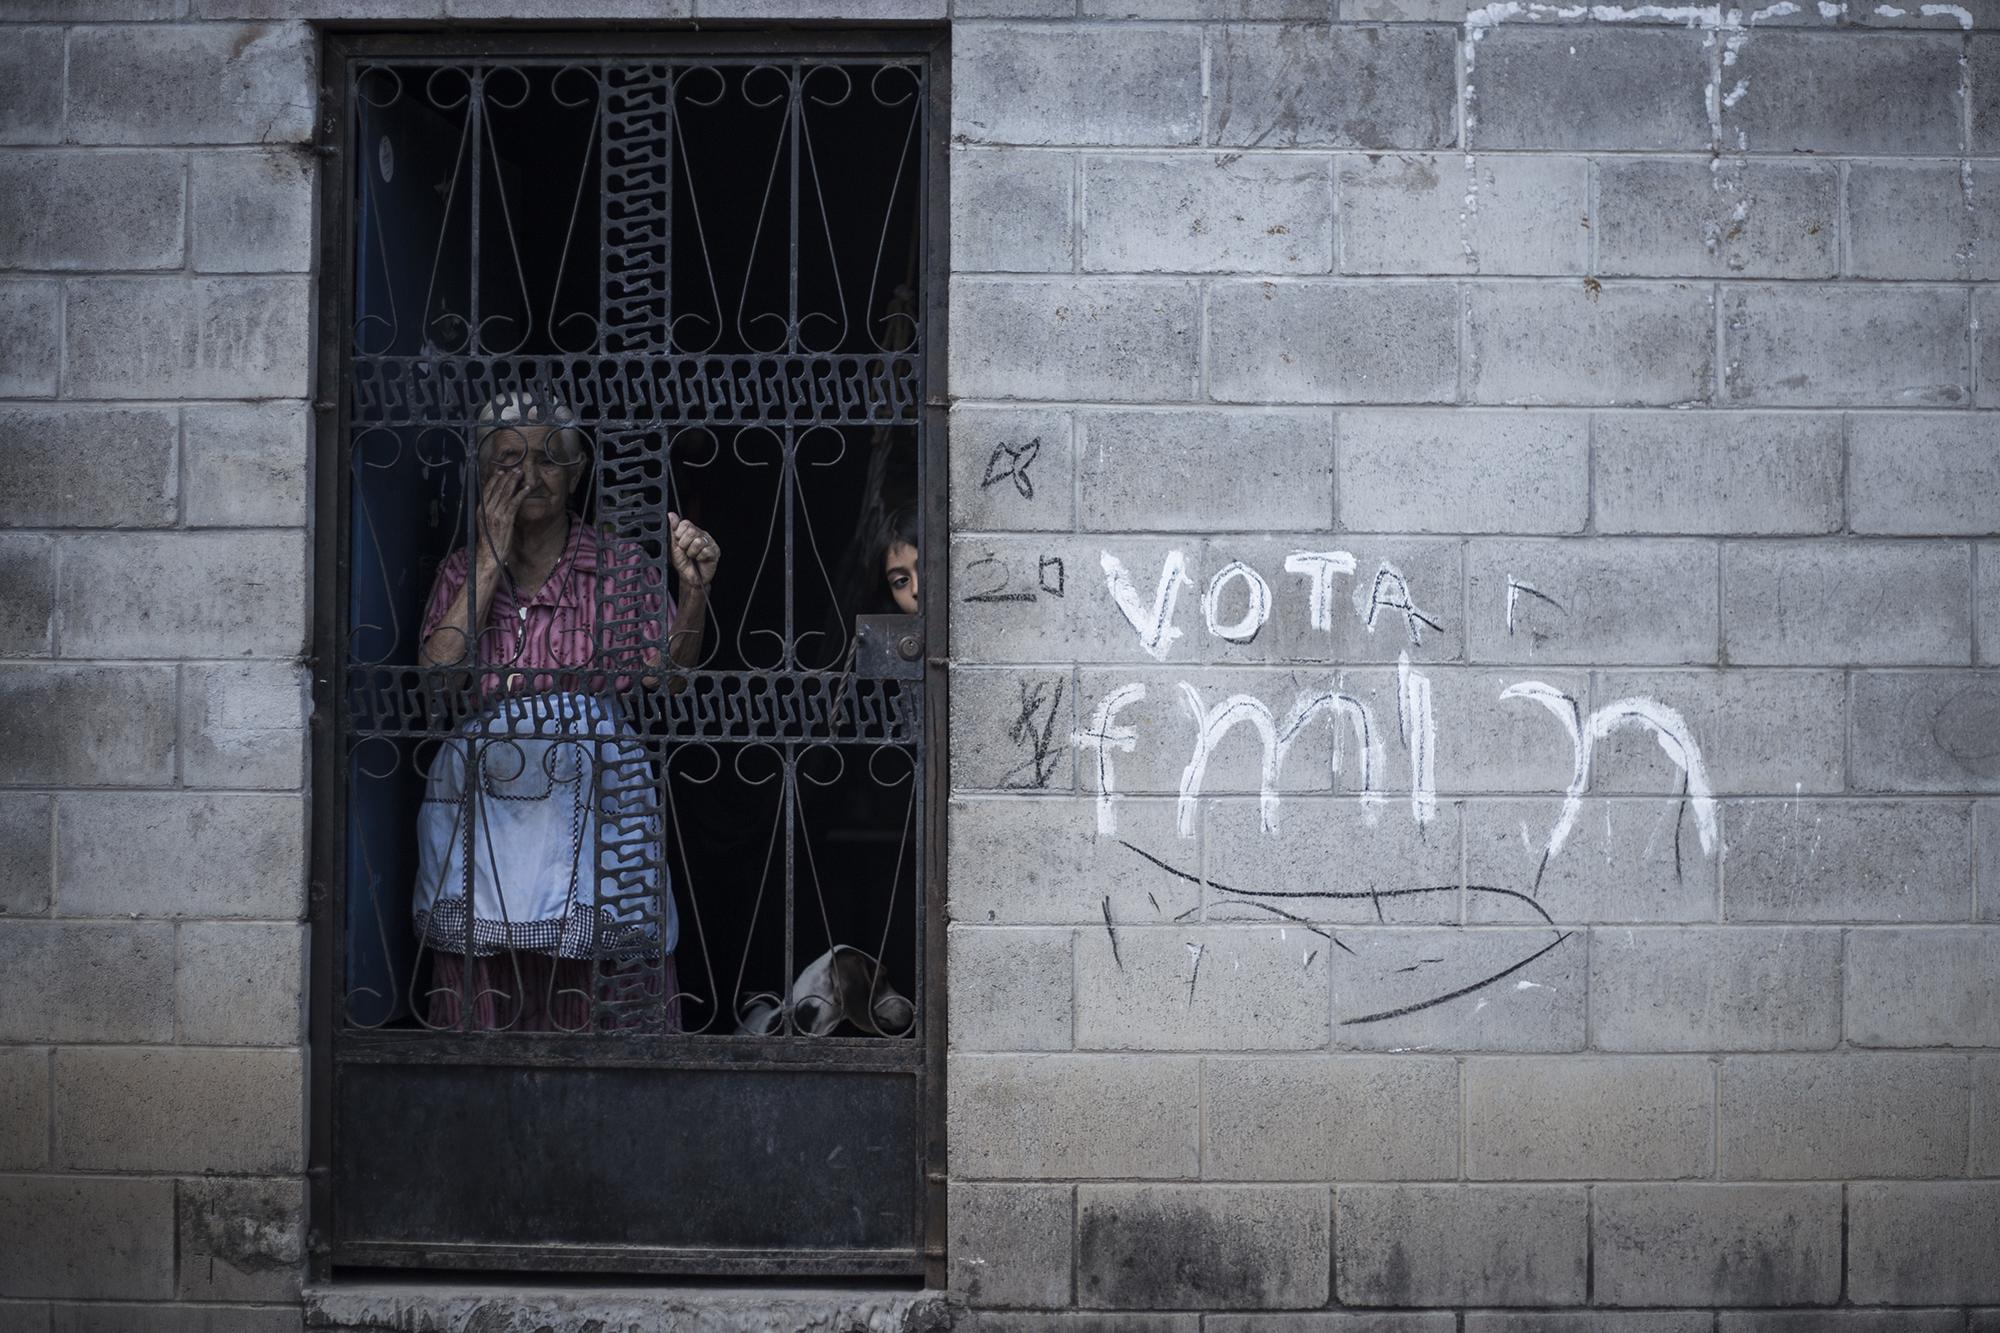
pixel 510 831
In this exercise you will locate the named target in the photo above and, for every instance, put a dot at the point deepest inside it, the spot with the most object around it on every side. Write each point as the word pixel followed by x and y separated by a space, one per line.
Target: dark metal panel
pixel 713 1160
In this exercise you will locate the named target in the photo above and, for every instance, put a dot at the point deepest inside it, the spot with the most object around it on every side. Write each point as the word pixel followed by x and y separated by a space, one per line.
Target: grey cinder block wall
pixel 1487 820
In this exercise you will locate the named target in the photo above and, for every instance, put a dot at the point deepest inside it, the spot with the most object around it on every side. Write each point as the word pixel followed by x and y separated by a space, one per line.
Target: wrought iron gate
pixel 686 278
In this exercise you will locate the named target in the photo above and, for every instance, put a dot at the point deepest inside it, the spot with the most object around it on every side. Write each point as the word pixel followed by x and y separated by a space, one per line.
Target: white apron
pixel 533 808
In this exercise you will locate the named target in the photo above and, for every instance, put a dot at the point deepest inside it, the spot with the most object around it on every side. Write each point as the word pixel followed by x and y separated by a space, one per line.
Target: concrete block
pixel 1821 1117
pixel 1925 731
pixel 1864 603
pixel 88 467
pixel 1203 9
pixel 1330 861
pixel 1010 989
pixel 184 595
pixel 1033 84
pixel 1714 988
pixel 1074 338
pixel 86 725
pixel 243 725
pixel 1426 213
pixel 570 9
pixel 31 86
pixel 1632 344
pixel 1010 1244
pixel 1460 470
pixel 30 338
pixel 1082 1117
pixel 1615 88
pixel 1017 862
pixel 1718 472
pixel 1986 603
pixel 27 594
pixel 24 1107
pixel 1840 1321
pixel 1759 732
pixel 253 212
pixel 93 210
pixel 1332 342
pixel 1986 1115
pixel 1348 1117
pixel 1846 346
pixel 1586 1118
pixel 91 11
pixel 1819 92
pixel 241 984
pixel 1913 1242
pixel 1328 1321
pixel 178 1318
pixel 1012 470
pixel 1640 601
pixel 1213 1247
pixel 1459 1244
pixel 1922 474
pixel 1486 744
pixel 1186 213
pixel 241 1240
pixel 130 1318
pixel 1983 69
pixel 1593 1321
pixel 1627 860
pixel 1923 220
pixel 1172 470
pixel 1012 211
pixel 1986 860
pixel 1075 1321
pixel 1812 860
pixel 1458 990
pixel 1726 1244
pixel 986 9
pixel 170 854
pixel 1986 348
pixel 1915 987
pixel 1011 730
pixel 188 338
pixel 1953 18
pixel 1658 218
pixel 1310 85
pixel 368 9
pixel 247 464
pixel 191 83
pixel 1231 988
pixel 174 1109
pixel 27 841
pixel 83 1236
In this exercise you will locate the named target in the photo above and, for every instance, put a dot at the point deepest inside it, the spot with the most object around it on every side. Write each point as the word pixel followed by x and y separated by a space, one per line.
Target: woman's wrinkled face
pixel 899 568
pixel 548 459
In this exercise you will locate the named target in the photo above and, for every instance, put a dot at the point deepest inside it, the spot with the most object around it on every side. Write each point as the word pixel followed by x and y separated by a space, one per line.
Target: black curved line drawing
pixel 1251 895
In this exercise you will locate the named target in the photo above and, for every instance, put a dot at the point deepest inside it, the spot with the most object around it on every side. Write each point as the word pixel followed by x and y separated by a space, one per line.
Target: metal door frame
pixel 329 812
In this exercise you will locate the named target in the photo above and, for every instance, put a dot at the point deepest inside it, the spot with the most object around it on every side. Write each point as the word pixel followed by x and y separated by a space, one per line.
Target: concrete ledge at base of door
pixel 373 1306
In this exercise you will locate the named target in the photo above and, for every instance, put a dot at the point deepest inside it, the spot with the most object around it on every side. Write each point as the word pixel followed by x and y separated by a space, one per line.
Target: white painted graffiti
pixel 1353 726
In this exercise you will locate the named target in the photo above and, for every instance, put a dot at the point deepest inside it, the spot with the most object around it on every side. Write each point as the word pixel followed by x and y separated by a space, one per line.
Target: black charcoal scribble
pixel 1007 463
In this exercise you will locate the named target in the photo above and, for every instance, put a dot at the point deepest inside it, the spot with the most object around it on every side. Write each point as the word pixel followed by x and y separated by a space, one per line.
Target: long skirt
pixel 519 991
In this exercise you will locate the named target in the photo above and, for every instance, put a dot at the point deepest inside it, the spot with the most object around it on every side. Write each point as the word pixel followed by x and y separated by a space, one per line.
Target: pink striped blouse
pixel 555 628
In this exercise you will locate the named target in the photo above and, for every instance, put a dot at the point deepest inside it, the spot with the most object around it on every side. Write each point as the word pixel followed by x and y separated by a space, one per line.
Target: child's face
pixel 899 568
